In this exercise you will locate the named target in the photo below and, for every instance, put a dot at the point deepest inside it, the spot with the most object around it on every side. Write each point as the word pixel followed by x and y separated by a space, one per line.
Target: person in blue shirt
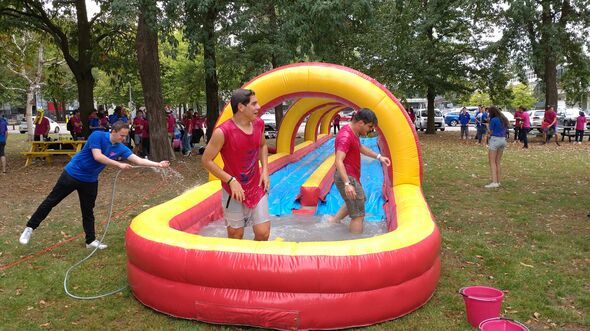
pixel 3 137
pixel 116 115
pixel 496 143
pixel 81 174
pixel 480 124
pixel 464 118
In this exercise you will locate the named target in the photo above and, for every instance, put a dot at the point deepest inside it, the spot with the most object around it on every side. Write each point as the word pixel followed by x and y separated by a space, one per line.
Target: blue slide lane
pixel 372 181
pixel 285 184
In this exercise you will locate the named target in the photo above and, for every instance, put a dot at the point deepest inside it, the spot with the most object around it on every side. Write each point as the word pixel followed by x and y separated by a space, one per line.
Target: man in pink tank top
pixel 240 140
pixel 348 168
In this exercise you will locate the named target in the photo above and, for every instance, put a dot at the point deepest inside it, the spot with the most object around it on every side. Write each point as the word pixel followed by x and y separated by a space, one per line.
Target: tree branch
pixel 13 88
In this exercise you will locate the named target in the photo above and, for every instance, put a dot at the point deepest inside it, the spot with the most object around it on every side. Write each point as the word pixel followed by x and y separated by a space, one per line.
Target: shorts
pixel 356 207
pixel 496 143
pixel 236 215
pixel 551 130
pixel 2 145
pixel 137 140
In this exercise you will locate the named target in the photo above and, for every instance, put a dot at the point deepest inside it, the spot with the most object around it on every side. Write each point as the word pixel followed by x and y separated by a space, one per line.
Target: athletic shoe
pixel 95 244
pixel 26 235
pixel 492 185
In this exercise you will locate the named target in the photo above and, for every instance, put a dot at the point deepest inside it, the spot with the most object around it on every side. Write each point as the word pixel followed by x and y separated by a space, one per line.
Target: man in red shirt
pixel 41 126
pixel 348 165
pixel 241 143
pixel 171 123
pixel 76 125
pixel 550 119
pixel 138 127
pixel 337 123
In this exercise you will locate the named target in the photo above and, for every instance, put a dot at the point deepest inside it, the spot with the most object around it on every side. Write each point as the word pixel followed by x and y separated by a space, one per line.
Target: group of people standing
pixel 193 131
pixel 139 132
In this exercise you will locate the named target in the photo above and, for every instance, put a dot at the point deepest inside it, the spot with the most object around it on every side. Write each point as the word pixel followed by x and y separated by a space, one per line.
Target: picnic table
pixel 570 131
pixel 48 149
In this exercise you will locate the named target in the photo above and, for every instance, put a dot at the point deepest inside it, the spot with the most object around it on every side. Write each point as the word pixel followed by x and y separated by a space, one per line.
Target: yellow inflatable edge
pixel 414 221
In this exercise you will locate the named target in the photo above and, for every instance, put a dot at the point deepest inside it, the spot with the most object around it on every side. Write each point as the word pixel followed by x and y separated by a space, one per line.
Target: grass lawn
pixel 530 237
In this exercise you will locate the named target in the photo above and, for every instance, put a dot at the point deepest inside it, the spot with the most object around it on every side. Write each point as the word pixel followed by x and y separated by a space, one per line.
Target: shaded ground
pixel 529 238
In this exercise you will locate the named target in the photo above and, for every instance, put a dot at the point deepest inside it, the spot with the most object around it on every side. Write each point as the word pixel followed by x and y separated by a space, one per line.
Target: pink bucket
pixel 501 324
pixel 481 303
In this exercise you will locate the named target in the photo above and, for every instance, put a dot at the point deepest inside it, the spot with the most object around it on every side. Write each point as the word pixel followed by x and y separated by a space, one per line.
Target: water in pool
pixel 297 228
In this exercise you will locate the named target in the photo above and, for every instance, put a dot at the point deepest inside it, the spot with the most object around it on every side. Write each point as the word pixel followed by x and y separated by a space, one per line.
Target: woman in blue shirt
pixel 496 143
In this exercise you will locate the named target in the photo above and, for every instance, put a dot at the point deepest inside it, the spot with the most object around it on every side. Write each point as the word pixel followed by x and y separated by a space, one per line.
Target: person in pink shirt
pixel 187 136
pixel 580 126
pixel 550 120
pixel 240 140
pixel 41 126
pixel 138 128
pixel 171 123
pixel 517 124
pixel 337 123
pixel 526 126
pixel 76 125
pixel 348 168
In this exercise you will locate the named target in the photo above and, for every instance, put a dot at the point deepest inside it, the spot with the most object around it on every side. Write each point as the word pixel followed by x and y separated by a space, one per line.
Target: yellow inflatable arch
pixel 321 83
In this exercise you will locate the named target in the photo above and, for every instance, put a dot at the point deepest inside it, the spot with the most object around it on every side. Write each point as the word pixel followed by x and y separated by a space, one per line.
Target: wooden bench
pixel 48 149
pixel 48 155
pixel 570 132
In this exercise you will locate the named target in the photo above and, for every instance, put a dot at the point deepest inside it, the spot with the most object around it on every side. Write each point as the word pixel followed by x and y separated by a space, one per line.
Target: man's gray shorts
pixel 356 207
pixel 237 215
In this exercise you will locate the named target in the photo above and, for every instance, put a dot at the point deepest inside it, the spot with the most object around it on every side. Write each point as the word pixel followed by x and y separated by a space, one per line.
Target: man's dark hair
pixel 119 125
pixel 366 115
pixel 240 96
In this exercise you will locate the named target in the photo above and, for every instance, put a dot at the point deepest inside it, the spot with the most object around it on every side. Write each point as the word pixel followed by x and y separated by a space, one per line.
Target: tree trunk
pixel 275 61
pixel 550 63
pixel 86 99
pixel 29 113
pixel 279 112
pixel 551 96
pixel 146 44
pixel 83 72
pixel 430 95
pixel 211 83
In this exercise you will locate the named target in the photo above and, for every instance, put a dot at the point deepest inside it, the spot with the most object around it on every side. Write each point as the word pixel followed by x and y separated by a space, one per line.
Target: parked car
pixel 536 117
pixel 569 117
pixel 53 126
pixel 346 115
pixel 269 116
pixel 510 117
pixel 422 118
pixel 452 118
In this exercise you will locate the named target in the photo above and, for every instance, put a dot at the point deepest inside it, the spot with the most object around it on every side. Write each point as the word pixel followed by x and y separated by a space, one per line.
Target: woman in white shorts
pixel 496 143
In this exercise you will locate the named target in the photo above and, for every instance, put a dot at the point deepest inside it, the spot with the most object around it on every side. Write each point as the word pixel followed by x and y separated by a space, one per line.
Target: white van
pixel 422 119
